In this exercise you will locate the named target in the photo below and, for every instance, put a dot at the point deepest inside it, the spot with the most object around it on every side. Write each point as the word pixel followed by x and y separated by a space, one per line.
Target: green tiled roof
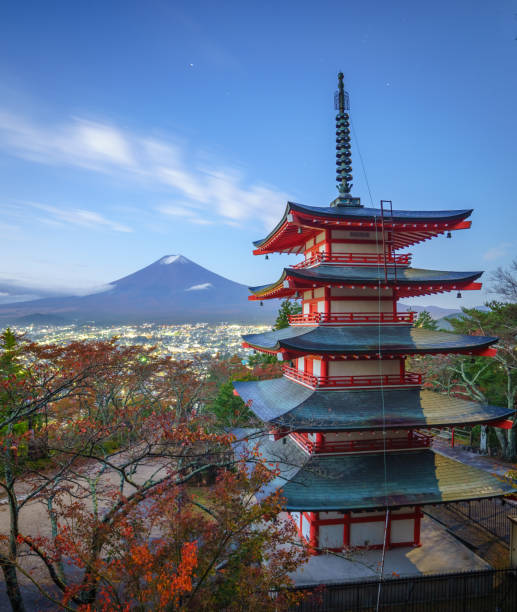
pixel 365 339
pixel 288 404
pixel 370 214
pixel 356 482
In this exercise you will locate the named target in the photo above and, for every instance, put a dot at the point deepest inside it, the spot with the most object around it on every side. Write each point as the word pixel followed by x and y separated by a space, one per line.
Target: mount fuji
pixel 173 289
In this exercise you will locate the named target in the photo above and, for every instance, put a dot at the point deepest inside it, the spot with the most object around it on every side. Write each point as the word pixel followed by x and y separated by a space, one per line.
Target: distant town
pixel 180 341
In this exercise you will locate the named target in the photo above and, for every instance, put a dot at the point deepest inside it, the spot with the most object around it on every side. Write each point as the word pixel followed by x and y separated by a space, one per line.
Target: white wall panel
pixel 340 247
pixel 331 536
pixel 359 367
pixel 402 530
pixel 367 534
pixel 305 528
pixel 373 306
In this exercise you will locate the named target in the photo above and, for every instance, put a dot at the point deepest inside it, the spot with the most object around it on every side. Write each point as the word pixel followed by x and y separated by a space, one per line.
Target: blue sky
pixel 131 130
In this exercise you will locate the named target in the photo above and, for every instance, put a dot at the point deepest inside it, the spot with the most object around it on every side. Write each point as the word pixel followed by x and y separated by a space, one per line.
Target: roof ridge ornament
pixel 343 149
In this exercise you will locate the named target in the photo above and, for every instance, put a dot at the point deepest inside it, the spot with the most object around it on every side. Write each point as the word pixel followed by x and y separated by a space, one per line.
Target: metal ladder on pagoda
pixel 387 238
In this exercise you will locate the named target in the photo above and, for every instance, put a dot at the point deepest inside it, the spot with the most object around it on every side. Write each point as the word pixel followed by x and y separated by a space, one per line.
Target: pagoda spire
pixel 343 149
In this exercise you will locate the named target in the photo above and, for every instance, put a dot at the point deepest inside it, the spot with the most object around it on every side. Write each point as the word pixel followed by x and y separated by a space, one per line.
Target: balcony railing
pixel 355 259
pixel 415 440
pixel 409 379
pixel 348 318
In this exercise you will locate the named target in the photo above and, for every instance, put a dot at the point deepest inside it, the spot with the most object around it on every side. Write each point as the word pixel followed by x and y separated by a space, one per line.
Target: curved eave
pixel 373 480
pixel 364 213
pixel 293 407
pixel 408 281
pixel 366 340
pixel 299 223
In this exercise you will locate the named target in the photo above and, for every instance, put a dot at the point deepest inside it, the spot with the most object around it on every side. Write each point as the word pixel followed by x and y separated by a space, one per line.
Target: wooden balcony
pixel 409 379
pixel 413 440
pixel 352 318
pixel 355 259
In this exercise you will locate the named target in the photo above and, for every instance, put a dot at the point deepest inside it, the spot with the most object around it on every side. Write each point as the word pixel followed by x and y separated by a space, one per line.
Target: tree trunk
pixel 8 561
pixel 12 585
pixel 503 441
pixel 512 443
pixel 483 439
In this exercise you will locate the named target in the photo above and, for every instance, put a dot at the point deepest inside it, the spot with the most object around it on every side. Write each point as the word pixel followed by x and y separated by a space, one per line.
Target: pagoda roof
pixel 410 281
pixel 288 404
pixel 372 480
pixel 366 340
pixel 415 225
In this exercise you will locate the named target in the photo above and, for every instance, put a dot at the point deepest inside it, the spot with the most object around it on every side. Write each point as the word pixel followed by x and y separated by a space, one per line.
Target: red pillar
pixel 313 531
pixel 324 369
pixel 416 533
pixel 346 530
pixel 327 301
pixel 320 442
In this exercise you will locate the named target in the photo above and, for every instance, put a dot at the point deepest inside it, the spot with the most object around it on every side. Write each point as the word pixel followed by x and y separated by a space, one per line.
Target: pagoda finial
pixel 343 148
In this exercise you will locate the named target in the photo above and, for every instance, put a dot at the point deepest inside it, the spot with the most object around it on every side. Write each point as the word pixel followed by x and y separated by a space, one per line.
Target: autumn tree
pixel 32 379
pixel 172 547
pixel 121 518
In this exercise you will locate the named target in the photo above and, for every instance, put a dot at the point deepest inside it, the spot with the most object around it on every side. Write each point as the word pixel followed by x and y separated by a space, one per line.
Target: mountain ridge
pixel 172 289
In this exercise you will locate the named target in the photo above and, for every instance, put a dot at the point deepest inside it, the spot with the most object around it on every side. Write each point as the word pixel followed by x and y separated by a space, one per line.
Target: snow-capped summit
pixel 170 259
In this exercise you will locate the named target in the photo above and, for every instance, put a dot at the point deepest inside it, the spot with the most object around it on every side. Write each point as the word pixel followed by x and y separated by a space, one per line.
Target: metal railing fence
pixel 476 591
pixel 492 514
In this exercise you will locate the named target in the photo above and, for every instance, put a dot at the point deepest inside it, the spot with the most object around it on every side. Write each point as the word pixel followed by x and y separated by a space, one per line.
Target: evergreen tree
pixel 286 308
pixel 261 359
pixel 426 321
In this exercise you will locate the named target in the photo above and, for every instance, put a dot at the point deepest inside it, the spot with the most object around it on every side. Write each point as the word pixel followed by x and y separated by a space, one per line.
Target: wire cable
pixel 383 412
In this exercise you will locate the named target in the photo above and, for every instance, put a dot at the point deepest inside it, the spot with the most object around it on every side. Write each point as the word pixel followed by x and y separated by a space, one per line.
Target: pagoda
pixel 348 424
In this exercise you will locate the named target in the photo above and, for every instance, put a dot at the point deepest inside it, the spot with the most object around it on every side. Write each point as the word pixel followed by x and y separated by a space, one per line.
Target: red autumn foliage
pixel 124 438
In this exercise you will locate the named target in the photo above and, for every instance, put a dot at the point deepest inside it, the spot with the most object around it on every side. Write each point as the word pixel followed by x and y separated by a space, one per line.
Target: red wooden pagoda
pixel 346 418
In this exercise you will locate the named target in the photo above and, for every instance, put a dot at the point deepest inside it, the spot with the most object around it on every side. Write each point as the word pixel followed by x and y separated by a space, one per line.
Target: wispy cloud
pixel 79 217
pixel 25 288
pixel 183 212
pixel 78 143
pixel 202 189
pixel 498 251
